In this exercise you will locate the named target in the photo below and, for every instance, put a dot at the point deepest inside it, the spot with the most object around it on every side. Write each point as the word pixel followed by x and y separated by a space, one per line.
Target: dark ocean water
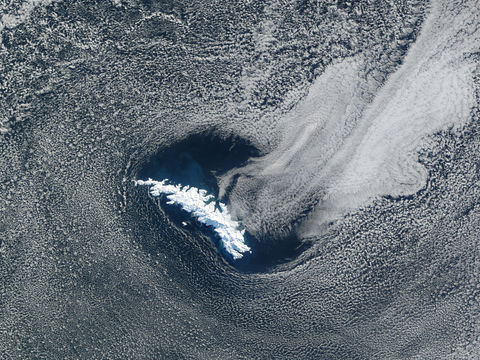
pixel 197 161
pixel 97 94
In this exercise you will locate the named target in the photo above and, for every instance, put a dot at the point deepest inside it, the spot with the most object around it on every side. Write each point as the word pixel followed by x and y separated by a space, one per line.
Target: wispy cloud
pixel 352 139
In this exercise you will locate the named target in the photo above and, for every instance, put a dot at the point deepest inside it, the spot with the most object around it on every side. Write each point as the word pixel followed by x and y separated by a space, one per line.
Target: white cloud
pixel 350 141
pixel 10 21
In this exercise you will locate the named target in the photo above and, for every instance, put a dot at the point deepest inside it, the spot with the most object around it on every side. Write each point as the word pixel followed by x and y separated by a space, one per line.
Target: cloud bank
pixel 353 139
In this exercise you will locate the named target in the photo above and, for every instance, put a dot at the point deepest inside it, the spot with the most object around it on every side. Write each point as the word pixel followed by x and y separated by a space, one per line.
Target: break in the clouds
pixel 204 208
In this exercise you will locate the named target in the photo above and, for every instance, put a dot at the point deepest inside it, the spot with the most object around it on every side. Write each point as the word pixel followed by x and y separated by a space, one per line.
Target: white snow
pixel 206 210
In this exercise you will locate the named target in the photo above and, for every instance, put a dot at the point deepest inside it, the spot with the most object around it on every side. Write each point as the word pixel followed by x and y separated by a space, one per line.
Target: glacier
pixel 206 210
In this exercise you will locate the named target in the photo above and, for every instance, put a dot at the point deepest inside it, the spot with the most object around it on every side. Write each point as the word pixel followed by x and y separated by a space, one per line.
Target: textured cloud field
pixel 353 124
pixel 340 149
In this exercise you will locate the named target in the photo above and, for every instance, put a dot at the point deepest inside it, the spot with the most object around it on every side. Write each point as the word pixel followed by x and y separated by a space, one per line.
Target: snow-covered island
pixel 206 209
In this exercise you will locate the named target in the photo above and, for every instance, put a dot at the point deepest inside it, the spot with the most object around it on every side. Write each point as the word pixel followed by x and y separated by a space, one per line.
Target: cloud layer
pixel 352 139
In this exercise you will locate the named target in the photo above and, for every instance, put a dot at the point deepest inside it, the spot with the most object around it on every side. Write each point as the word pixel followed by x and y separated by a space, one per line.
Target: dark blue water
pixel 180 168
pixel 197 161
